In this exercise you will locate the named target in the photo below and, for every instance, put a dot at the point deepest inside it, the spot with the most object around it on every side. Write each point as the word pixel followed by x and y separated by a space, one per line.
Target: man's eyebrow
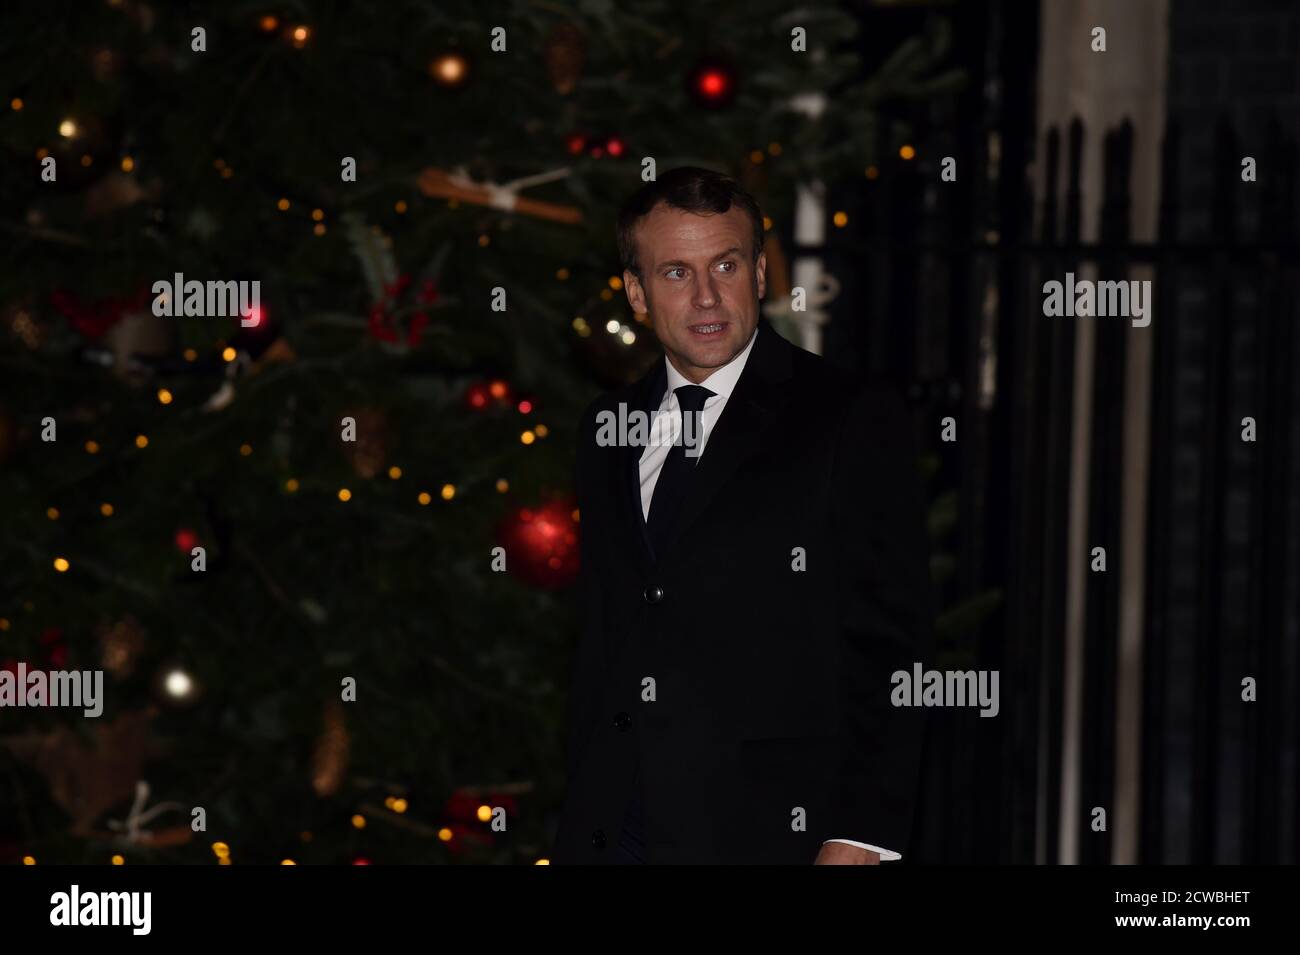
pixel 676 262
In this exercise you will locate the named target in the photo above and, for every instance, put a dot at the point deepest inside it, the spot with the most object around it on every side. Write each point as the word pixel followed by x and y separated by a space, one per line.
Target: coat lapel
pixel 745 426
pixel 647 394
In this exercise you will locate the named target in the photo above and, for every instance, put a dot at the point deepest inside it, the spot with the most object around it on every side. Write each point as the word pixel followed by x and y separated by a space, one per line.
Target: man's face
pixel 701 287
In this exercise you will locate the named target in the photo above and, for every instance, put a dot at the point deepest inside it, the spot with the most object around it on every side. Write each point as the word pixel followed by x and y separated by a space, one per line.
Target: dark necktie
pixel 677 467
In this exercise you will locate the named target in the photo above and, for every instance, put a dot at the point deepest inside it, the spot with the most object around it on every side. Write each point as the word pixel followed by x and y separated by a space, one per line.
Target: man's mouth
pixel 709 330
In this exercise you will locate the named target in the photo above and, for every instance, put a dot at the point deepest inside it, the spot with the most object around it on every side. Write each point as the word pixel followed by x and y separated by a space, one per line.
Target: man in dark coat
pixel 754 571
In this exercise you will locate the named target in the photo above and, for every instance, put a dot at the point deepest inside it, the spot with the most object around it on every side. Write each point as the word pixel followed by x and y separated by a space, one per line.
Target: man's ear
pixel 635 293
pixel 760 273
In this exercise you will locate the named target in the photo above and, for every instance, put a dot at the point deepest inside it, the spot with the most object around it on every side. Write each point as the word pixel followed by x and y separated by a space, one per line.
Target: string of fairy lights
pixel 479 397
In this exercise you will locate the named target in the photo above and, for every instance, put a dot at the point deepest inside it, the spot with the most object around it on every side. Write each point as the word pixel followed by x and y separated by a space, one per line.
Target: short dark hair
pixel 690 189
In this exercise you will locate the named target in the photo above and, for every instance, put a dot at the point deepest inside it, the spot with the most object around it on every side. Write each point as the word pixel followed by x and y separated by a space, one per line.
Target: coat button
pixel 598 839
pixel 622 721
pixel 654 594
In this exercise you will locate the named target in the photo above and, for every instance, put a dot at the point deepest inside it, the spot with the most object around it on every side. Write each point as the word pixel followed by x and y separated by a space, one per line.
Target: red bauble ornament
pixel 542 544
pixel 712 83
pixel 575 143
pixel 614 146
pixel 186 540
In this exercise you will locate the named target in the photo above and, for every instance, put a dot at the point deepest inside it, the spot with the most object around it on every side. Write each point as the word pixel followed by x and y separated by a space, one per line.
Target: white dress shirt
pixel 665 428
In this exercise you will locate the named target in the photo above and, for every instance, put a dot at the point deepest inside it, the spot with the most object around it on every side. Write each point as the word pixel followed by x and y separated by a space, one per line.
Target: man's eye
pixel 730 263
pixel 671 271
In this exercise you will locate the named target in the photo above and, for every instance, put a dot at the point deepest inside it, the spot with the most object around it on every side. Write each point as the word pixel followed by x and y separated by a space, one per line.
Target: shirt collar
pixel 723 380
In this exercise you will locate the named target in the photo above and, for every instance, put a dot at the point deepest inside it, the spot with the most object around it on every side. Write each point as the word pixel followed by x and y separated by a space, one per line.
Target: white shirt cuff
pixel 886 855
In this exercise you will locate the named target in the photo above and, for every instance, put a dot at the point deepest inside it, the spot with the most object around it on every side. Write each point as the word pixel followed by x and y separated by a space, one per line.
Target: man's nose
pixel 706 292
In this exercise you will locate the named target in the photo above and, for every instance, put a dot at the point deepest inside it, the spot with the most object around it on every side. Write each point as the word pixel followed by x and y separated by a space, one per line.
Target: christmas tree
pixel 320 547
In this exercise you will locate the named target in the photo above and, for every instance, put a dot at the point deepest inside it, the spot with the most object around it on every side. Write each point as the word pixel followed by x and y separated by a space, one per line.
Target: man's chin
pixel 715 352
pixel 708 362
